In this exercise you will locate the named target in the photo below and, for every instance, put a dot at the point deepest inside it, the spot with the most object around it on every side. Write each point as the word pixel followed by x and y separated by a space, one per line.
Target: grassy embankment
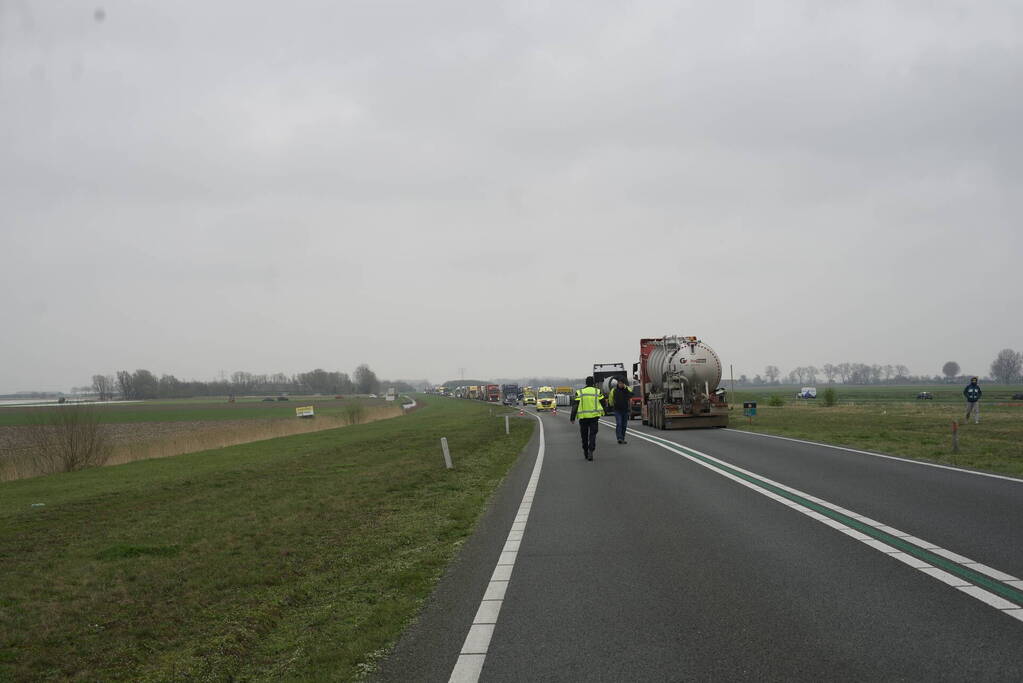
pixel 891 420
pixel 158 429
pixel 301 557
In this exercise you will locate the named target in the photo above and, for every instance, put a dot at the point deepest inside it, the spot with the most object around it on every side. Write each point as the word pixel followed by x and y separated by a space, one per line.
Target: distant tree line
pixel 521 381
pixel 846 373
pixel 1006 368
pixel 143 384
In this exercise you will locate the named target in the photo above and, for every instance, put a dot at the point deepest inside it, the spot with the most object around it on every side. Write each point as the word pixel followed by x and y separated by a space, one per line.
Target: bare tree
pixel 126 384
pixel 811 374
pixel 901 371
pixel 771 372
pixel 950 370
pixel 1006 366
pixel 103 386
pixel 68 438
pixel 889 370
pixel 859 373
pixel 875 374
pixel 145 384
pixel 366 381
pixel 830 371
pixel 845 372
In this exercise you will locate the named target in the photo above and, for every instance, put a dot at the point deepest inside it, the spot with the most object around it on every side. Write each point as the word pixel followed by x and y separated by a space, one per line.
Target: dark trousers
pixel 588 432
pixel 621 422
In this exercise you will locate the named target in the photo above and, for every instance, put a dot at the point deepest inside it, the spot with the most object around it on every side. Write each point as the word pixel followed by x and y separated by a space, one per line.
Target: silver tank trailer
pixel 683 364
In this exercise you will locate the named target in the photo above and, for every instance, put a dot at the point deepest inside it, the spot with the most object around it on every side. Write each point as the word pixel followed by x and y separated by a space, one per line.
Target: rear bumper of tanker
pixel 696 421
pixel 660 416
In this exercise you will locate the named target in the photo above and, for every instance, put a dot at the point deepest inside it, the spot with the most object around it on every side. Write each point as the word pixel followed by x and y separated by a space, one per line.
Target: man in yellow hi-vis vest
pixel 589 406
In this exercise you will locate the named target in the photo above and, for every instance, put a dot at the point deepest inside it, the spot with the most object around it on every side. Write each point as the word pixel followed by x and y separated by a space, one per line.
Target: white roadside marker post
pixel 447 453
pixel 507 429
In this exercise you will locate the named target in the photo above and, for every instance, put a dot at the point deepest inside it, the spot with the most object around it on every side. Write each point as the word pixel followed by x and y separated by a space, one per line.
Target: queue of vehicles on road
pixel 675 385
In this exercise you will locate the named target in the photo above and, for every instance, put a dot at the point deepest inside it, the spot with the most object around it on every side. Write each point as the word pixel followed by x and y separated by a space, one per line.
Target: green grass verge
pixel 895 393
pixel 302 558
pixel 914 429
pixel 198 410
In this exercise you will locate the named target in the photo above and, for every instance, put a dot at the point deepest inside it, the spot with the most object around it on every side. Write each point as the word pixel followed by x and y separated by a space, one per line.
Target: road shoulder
pixel 429 647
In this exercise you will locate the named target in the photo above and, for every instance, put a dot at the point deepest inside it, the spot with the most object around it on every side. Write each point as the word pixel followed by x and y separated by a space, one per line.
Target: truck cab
pixel 545 399
pixel 528 396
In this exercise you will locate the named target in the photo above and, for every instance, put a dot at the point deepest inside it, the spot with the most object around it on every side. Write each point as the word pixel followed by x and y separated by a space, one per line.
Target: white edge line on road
pixel 880 455
pixel 977 592
pixel 474 650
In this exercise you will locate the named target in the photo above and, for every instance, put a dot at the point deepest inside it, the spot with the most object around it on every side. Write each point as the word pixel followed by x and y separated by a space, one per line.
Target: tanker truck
pixel 679 379
pixel 607 375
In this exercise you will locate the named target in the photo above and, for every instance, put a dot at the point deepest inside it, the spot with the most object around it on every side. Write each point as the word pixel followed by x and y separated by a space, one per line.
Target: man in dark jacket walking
pixel 619 401
pixel 972 393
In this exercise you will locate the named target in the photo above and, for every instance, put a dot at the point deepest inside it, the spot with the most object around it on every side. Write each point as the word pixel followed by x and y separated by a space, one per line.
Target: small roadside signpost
pixel 749 409
pixel 304 411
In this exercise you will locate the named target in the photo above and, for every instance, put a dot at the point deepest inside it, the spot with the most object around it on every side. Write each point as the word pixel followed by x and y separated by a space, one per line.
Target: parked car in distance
pixel 268 398
pixel 925 395
pixel 283 398
pixel 1017 397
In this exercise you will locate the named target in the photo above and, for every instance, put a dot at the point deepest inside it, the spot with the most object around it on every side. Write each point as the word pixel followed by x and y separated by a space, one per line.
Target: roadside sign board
pixel 749 408
pixel 304 411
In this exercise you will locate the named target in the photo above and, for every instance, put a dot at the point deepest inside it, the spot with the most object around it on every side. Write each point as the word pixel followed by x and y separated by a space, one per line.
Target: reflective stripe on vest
pixel 589 403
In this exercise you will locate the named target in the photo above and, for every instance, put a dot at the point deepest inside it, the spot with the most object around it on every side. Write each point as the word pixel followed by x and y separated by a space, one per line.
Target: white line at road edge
pixel 985 596
pixel 880 455
pixel 474 649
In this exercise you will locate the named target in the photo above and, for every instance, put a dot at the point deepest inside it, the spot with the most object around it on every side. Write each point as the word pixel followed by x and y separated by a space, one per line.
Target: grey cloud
pixel 428 186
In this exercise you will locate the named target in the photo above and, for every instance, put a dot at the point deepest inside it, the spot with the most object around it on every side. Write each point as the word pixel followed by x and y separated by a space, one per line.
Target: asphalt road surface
pixel 721 555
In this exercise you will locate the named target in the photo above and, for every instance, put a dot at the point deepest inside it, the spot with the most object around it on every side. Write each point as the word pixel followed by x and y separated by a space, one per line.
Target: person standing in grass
pixel 972 393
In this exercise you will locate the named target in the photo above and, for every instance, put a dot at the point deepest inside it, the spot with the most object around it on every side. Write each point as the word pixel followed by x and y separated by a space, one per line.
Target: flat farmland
pixel 857 394
pixel 154 429
pixel 201 409
pixel 892 420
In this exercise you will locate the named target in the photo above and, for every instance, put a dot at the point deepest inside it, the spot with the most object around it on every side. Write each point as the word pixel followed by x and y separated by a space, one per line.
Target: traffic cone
pixel 522 411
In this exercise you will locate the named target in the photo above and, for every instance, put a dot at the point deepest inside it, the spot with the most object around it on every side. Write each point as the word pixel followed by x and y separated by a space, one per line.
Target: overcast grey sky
pixel 514 188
